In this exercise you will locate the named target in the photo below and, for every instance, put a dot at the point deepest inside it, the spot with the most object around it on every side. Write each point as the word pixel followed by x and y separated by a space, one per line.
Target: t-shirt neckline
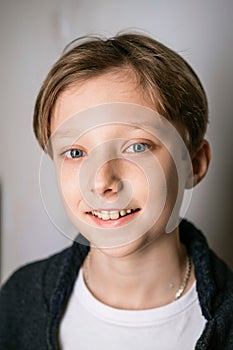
pixel 132 318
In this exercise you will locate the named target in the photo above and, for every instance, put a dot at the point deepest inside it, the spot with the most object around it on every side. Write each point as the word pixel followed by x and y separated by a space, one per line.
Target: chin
pixel 125 250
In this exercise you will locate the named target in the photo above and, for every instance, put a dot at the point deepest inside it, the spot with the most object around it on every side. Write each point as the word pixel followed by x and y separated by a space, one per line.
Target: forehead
pixel 108 88
pixel 116 121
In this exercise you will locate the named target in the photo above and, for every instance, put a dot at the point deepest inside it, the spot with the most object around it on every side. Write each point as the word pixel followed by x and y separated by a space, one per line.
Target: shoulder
pixel 29 287
pixel 222 301
pixel 223 279
pixel 214 286
pixel 223 273
pixel 34 273
pixel 214 277
pixel 42 276
pixel 24 302
pixel 30 295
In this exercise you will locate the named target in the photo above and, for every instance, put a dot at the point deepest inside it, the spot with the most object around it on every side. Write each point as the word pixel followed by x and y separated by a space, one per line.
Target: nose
pixel 107 181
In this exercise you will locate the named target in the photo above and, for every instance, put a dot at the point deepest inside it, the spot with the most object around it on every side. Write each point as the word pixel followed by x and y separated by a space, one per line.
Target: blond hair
pixel 163 75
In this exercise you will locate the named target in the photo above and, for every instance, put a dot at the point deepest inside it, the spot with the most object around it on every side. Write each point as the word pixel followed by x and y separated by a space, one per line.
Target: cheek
pixel 172 183
pixel 163 186
pixel 171 176
pixel 68 185
pixel 169 169
pixel 138 181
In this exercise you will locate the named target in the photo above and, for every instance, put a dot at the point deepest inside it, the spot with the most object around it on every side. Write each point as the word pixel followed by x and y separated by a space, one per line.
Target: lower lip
pixel 113 223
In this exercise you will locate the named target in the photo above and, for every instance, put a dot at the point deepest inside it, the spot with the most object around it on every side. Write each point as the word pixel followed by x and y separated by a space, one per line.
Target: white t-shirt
pixel 89 324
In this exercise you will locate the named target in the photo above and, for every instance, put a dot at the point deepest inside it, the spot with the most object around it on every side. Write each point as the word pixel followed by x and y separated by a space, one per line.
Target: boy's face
pixel 103 169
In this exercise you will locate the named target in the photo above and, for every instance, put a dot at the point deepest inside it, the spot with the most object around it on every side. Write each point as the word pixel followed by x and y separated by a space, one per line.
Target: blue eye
pixel 138 147
pixel 74 153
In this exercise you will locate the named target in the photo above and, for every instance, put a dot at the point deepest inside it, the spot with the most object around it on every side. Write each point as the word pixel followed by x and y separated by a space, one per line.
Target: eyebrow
pixel 142 125
pixel 65 133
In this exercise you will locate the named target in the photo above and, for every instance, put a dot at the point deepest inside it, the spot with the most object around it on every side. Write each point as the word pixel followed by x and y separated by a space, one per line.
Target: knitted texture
pixel 34 298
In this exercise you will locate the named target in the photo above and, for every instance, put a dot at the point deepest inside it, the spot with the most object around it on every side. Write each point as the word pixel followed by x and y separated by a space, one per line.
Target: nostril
pixel 107 179
pixel 119 185
pixel 107 186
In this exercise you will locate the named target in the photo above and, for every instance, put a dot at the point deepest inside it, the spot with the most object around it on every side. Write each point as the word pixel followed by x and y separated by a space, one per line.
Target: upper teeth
pixel 111 214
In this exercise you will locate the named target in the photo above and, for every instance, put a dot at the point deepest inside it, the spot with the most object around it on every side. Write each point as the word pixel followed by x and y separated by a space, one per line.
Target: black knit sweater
pixel 33 299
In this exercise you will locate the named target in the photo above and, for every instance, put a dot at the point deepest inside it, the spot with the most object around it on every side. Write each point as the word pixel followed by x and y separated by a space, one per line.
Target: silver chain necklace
pixel 178 294
pixel 183 286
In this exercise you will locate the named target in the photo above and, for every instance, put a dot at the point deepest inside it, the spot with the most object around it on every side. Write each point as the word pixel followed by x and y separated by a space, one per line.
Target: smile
pixel 106 215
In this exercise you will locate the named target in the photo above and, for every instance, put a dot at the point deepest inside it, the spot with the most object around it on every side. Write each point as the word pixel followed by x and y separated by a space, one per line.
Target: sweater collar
pixel 198 248
pixel 190 236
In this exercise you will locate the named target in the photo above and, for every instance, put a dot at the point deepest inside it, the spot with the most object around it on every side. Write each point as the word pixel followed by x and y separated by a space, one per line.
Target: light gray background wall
pixel 32 35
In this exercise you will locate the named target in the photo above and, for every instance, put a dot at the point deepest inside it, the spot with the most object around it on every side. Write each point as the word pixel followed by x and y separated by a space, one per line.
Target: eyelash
pixel 148 146
pixel 69 156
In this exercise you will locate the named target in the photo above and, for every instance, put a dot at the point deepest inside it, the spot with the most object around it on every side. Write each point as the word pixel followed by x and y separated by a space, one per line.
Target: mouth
pixel 112 217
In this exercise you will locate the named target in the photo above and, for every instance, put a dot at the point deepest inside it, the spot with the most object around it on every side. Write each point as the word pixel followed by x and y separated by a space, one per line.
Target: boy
pixel 124 121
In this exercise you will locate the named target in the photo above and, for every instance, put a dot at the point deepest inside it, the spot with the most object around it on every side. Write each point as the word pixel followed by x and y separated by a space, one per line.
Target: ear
pixel 200 164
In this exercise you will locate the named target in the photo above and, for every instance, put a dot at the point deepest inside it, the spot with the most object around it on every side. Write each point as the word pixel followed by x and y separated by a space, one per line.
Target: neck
pixel 147 278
